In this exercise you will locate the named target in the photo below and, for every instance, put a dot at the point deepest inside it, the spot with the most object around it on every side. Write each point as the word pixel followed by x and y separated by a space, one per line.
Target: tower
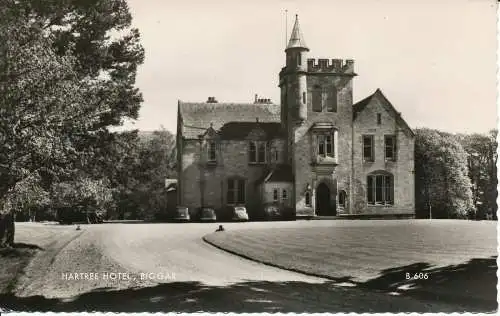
pixel 293 85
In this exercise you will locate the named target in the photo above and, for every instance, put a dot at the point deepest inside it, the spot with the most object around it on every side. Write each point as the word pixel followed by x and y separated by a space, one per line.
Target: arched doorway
pixel 323 205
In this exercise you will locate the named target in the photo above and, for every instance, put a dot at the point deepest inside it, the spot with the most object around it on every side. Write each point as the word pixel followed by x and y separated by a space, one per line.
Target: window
pixel 212 152
pixel 257 152
pixel 368 154
pixel 235 191
pixel 390 147
pixel 275 195
pixel 379 118
pixel 380 189
pixel 342 198
pixel 299 59
pixel 308 198
pixel 284 195
pixel 304 97
pixel 331 101
pixel 325 145
pixel 317 104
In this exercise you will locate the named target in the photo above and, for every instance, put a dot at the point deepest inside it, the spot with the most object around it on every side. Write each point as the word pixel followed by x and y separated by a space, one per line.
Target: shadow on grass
pixel 19 250
pixel 473 283
pixel 478 275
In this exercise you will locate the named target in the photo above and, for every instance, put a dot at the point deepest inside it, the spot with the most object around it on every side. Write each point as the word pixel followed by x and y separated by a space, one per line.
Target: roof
pixel 197 117
pixel 361 105
pixel 240 130
pixel 278 173
pixel 296 38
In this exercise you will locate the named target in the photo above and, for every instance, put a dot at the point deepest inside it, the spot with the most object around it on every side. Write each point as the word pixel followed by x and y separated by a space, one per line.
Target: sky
pixel 435 60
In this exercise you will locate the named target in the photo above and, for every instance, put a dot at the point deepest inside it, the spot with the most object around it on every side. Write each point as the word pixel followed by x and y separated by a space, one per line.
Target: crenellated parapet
pixel 345 66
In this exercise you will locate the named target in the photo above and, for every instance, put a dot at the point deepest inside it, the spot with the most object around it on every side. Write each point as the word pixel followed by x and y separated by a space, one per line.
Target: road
pixel 183 274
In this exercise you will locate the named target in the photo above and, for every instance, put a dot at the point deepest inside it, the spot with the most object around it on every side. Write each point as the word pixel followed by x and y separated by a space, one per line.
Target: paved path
pixel 184 274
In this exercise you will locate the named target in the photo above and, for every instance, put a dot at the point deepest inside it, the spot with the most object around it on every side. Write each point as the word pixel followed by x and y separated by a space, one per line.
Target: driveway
pixel 167 267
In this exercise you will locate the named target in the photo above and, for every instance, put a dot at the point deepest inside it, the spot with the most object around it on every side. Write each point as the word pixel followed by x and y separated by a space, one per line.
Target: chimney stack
pixel 211 100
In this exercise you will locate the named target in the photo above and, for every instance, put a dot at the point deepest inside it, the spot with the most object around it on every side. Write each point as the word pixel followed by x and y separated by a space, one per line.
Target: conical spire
pixel 296 38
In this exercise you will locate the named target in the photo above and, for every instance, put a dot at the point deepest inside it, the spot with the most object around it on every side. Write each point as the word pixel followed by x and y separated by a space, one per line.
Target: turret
pixel 295 72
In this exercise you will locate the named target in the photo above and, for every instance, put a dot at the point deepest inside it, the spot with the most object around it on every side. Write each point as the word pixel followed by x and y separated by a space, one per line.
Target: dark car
pixel 180 214
pixel 278 211
pixel 206 214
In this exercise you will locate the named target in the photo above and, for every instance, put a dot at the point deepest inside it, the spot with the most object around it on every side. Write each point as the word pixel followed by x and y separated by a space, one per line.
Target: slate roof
pixel 361 105
pixel 278 173
pixel 240 130
pixel 197 117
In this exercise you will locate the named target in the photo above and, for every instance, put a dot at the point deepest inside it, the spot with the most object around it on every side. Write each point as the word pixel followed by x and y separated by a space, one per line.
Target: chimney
pixel 256 96
pixel 211 100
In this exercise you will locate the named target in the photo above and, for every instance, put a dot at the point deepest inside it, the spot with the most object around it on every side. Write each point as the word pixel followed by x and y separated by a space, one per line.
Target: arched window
pixel 308 198
pixel 380 188
pixel 342 198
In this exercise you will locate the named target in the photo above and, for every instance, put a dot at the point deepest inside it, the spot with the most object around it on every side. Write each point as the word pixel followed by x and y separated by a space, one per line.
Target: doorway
pixel 323 205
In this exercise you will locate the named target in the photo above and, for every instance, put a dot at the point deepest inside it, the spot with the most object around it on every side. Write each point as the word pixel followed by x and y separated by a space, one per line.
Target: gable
pixel 378 98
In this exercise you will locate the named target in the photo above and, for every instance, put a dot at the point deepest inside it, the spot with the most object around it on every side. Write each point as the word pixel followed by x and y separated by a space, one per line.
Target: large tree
pixel 443 189
pixel 482 159
pixel 64 79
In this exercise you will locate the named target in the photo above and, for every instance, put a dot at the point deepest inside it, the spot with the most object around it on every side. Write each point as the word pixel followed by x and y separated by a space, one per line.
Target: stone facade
pixel 313 145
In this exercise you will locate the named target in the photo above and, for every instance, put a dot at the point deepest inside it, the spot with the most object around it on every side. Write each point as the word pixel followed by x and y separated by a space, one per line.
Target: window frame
pixel 317 99
pixel 323 141
pixel 256 154
pixel 212 149
pixel 235 191
pixel 284 194
pixel 393 147
pixel 372 146
pixel 342 194
pixel 276 195
pixel 307 198
pixel 379 119
pixel 331 100
pixel 383 182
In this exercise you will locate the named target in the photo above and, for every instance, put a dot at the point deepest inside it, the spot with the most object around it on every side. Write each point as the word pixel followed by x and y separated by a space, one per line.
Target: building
pixel 317 151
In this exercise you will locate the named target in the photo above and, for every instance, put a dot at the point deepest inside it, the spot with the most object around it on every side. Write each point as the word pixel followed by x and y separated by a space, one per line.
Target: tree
pixel 482 158
pixel 63 81
pixel 442 185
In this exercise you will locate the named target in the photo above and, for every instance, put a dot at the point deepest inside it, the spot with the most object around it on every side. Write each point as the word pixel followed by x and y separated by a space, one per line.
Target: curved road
pixel 184 274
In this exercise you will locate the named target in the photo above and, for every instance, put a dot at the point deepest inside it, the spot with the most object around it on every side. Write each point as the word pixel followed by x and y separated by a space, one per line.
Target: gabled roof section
pixel 278 173
pixel 296 38
pixel 361 105
pixel 242 130
pixel 197 117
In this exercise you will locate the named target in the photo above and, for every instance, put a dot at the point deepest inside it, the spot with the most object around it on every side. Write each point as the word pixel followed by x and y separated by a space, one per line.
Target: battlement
pixel 333 66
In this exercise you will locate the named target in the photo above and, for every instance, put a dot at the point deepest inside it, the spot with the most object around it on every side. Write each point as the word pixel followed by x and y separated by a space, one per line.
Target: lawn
pixel 459 257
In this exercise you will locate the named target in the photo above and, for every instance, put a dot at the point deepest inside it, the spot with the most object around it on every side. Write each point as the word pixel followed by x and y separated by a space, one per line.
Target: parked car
pixel 278 211
pixel 232 213
pixel 240 213
pixel 206 214
pixel 180 214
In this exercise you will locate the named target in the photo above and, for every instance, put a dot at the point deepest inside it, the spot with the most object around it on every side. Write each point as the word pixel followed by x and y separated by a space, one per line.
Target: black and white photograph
pixel 281 156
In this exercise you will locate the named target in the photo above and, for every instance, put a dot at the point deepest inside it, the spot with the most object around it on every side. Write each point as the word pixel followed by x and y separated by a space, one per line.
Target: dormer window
pixel 257 152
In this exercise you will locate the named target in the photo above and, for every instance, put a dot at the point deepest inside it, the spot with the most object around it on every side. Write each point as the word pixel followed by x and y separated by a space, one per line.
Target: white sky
pixel 435 60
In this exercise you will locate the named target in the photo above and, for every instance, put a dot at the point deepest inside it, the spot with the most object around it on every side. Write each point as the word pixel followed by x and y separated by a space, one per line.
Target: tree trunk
pixel 7 229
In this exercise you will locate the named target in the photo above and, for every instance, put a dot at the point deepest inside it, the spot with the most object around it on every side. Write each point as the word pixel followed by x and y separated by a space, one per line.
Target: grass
pixel 459 257
pixel 13 261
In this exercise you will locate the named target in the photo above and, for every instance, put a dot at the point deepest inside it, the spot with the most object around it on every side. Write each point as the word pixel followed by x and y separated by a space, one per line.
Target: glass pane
pixel 367 147
pixel 329 148
pixel 332 101
pixel 241 191
pixel 389 147
pixel 253 152
pixel 284 196
pixel 388 189
pixel 378 189
pixel 262 152
pixel 370 190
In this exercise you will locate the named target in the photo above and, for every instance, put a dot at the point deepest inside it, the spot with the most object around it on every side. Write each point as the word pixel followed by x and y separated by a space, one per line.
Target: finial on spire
pixel 296 38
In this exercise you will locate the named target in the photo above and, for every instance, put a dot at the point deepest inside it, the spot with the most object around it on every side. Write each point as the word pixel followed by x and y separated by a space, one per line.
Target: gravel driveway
pixel 167 267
